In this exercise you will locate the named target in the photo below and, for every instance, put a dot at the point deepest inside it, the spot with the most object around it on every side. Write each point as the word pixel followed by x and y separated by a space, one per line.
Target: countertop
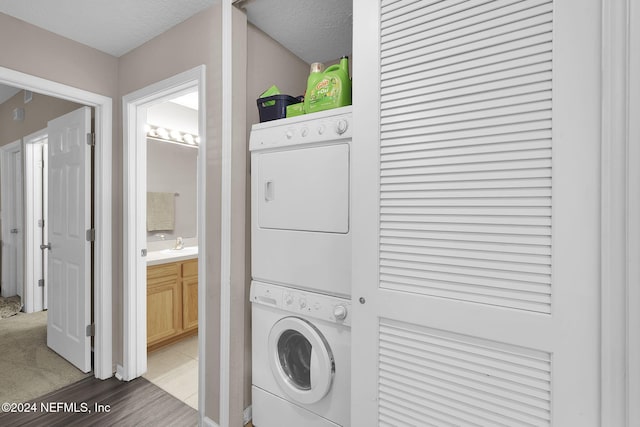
pixel 171 255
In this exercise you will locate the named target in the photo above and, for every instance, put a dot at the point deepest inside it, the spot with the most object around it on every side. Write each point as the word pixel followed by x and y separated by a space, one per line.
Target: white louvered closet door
pixel 476 213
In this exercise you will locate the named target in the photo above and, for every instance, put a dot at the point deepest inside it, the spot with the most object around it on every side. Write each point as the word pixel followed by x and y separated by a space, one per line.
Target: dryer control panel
pixel 316 128
pixel 308 304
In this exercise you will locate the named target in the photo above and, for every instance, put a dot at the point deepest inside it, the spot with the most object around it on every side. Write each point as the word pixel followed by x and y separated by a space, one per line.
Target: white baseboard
pixel 247 415
pixel 119 372
pixel 208 422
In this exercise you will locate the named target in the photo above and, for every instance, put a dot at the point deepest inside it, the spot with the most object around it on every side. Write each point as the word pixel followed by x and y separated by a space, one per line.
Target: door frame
pixel 9 182
pixel 620 214
pixel 31 242
pixel 633 212
pixel 102 273
pixel 134 105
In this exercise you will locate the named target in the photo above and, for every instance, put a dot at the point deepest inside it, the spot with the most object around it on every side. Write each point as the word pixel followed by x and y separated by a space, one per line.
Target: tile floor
pixel 175 369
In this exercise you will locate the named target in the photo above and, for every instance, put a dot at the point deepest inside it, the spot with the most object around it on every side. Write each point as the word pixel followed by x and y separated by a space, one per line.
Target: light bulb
pixel 162 133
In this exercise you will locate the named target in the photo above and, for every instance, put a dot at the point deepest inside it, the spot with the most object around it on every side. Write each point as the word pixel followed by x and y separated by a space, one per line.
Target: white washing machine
pixel 300 195
pixel 301 358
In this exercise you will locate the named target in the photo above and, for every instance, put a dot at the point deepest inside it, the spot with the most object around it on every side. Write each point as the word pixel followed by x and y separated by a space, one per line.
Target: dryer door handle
pixel 269 190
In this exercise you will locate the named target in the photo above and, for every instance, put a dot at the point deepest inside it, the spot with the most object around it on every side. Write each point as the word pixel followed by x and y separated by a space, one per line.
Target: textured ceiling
pixel 314 30
pixel 112 26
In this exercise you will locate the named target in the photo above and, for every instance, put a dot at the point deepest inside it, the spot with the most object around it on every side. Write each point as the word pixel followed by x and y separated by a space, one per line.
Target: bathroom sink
pixel 170 255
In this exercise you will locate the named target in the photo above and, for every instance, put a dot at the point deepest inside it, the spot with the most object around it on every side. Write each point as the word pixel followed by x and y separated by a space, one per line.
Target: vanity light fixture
pixel 171 136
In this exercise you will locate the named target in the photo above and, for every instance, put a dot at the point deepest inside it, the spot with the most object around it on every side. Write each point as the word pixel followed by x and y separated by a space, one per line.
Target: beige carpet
pixel 28 368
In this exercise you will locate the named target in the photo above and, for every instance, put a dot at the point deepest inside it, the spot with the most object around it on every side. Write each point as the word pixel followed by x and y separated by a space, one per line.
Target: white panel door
pixel 12 221
pixel 476 213
pixel 69 270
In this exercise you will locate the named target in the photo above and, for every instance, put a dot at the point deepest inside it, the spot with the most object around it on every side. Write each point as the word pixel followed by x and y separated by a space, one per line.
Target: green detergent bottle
pixel 328 89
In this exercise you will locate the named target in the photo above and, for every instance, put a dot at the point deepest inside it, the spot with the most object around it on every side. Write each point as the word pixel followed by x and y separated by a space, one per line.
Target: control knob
pixel 302 303
pixel 340 312
pixel 341 126
pixel 288 299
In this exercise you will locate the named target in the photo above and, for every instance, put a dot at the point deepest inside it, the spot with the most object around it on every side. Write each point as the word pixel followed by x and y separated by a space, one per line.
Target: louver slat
pixel 465 164
pixel 466 22
pixel 444 378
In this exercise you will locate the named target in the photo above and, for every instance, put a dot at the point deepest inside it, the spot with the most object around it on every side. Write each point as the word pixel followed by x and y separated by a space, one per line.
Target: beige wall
pixel 258 62
pixel 268 63
pixel 192 43
pixel 37 113
pixel 32 50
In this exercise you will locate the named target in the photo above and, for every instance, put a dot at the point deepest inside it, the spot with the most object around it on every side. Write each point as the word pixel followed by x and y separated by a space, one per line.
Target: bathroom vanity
pixel 172 300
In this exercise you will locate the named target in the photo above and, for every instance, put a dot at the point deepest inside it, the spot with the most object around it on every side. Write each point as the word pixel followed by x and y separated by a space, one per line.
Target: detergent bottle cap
pixel 317 67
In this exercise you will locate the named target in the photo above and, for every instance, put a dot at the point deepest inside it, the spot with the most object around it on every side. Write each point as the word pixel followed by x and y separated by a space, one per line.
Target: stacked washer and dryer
pixel 301 269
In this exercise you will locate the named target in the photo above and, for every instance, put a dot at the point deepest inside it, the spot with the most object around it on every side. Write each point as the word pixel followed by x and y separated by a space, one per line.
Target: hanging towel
pixel 160 211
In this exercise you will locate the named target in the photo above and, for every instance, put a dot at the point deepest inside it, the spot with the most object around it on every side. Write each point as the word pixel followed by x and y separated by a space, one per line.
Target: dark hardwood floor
pixel 93 402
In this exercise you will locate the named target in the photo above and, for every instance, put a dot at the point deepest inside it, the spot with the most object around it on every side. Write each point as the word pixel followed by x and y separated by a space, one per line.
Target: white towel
pixel 160 211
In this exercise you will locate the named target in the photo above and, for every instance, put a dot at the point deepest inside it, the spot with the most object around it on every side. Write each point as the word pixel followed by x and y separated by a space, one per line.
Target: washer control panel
pixel 325 126
pixel 308 304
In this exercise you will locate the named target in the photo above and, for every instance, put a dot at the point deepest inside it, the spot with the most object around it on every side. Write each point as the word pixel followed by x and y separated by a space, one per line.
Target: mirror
pixel 172 165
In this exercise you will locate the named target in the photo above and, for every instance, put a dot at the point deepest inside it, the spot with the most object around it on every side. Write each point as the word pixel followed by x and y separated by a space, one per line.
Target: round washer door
pixel 301 360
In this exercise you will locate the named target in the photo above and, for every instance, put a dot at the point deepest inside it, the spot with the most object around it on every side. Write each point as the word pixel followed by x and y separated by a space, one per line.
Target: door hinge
pixel 41 282
pixel 91 235
pixel 91 139
pixel 91 330
pixel 41 223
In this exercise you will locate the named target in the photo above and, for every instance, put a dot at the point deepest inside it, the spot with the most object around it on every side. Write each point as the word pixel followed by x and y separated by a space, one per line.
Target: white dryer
pixel 301 196
pixel 301 358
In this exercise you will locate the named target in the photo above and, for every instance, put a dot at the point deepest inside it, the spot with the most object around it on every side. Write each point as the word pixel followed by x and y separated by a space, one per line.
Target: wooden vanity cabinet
pixel 190 295
pixel 172 302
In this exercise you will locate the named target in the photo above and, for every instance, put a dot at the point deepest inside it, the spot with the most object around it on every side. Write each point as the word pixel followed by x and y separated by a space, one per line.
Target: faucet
pixel 179 243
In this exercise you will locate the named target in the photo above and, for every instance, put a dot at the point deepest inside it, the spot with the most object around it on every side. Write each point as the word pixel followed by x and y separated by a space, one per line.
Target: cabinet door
pixel 190 268
pixel 190 303
pixel 163 314
pixel 164 302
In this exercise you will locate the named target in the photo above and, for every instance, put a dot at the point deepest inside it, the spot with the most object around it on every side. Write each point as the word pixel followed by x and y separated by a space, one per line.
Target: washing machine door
pixel 301 360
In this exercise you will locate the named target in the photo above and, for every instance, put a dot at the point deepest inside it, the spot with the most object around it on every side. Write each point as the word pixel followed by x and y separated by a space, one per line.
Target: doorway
pixel 35 221
pixel 65 243
pixel 138 250
pixel 12 196
pixel 102 306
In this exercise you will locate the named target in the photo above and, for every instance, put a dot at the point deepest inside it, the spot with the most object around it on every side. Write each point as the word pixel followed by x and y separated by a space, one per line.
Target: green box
pixel 273 90
pixel 295 110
